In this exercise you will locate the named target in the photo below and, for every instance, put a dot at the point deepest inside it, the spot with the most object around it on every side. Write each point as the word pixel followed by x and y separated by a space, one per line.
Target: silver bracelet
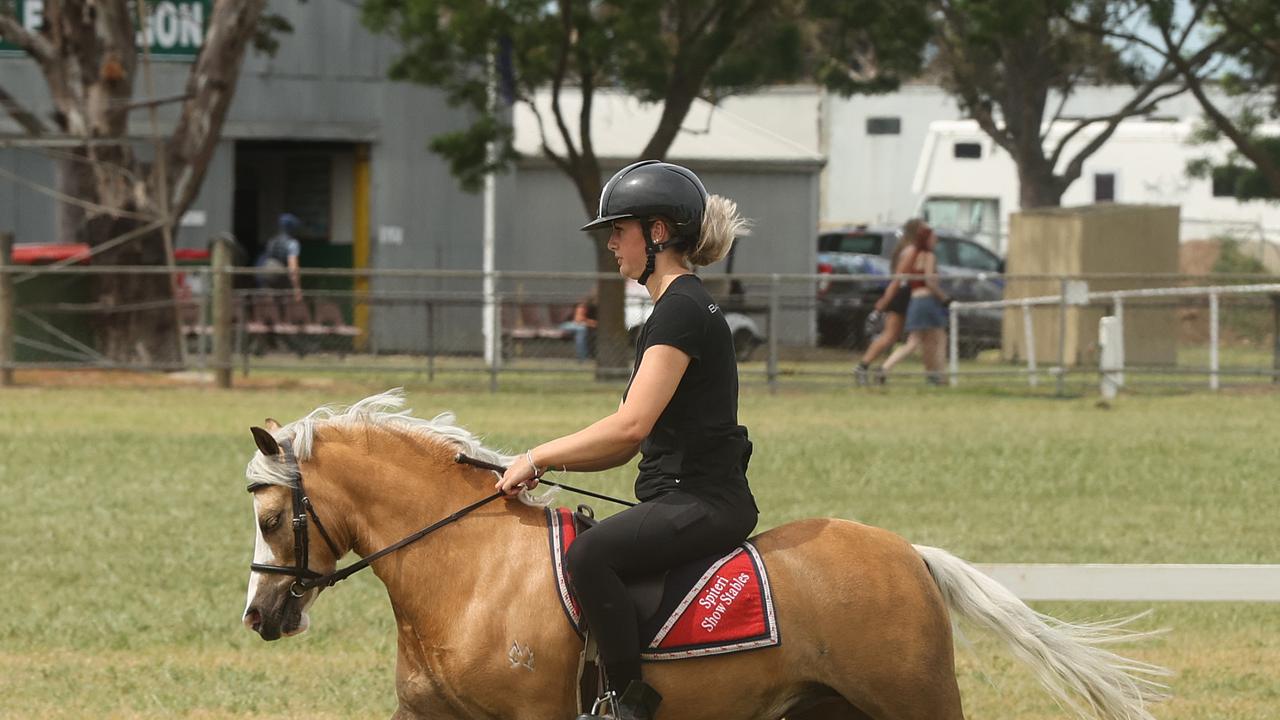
pixel 528 455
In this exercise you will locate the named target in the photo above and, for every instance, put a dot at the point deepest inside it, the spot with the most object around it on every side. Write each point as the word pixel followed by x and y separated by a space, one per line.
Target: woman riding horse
pixel 679 411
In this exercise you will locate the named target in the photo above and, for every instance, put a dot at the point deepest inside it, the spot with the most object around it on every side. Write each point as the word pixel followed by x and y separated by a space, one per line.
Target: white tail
pixel 1067 658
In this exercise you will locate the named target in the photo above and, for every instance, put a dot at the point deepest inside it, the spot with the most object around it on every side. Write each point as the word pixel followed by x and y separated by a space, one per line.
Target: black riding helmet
pixel 649 189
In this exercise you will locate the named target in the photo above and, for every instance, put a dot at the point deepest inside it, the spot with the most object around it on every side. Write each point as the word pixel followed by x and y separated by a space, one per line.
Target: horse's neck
pixel 396 488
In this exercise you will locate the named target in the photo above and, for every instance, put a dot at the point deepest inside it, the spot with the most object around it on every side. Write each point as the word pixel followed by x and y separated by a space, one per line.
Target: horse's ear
pixel 272 425
pixel 266 443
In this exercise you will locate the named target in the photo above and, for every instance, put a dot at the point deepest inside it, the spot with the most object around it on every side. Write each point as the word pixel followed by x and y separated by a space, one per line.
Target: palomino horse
pixel 864 615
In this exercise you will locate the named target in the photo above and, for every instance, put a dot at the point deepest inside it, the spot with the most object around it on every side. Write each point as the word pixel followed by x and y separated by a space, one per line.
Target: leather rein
pixel 307 579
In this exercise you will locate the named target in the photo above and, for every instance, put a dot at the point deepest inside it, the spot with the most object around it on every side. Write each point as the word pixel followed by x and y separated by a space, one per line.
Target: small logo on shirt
pixel 714 308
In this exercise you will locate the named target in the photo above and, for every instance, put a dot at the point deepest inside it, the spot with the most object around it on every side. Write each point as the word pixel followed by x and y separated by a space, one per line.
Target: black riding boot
pixel 638 702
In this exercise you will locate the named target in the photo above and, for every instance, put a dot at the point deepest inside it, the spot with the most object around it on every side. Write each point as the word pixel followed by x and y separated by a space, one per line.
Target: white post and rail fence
pixel 1075 293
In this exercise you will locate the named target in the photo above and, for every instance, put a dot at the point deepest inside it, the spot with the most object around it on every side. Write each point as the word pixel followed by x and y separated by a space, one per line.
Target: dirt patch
pixel 145 379
pixel 1196 257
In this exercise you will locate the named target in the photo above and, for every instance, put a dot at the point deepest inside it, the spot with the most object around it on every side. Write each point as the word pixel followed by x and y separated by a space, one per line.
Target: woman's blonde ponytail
pixel 721 224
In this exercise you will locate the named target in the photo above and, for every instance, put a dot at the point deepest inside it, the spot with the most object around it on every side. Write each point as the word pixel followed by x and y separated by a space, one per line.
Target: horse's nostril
pixel 253 619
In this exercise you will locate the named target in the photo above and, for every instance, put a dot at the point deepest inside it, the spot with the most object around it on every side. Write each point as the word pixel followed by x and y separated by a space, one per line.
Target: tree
pixel 1003 59
pixel 670 52
pixel 87 53
pixel 1237 49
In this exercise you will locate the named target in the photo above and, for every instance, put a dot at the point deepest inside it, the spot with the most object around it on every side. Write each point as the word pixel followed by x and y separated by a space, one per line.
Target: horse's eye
pixel 271 523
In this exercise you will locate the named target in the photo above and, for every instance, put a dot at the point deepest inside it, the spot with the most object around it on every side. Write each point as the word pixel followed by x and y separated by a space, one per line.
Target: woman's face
pixel 930 238
pixel 626 242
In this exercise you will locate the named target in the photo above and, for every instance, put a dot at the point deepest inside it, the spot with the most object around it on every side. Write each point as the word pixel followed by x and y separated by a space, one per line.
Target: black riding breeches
pixel 652 537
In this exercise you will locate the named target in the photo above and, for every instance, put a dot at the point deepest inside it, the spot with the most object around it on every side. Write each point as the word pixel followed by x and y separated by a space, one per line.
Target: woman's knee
pixel 586 556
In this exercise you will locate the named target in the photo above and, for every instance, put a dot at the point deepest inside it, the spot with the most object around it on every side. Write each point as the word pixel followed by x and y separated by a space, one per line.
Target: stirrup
pixel 609 699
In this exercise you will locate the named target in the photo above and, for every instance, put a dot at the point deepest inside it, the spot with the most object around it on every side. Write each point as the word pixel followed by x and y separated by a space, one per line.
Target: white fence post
pixel 1118 312
pixel 953 346
pixel 1213 341
pixel 1110 330
pixel 1029 343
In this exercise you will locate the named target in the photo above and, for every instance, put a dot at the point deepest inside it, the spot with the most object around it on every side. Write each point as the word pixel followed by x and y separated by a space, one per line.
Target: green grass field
pixel 126 532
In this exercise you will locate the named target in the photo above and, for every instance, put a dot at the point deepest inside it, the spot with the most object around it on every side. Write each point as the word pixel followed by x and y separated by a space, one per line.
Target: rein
pixel 302 509
pixel 468 460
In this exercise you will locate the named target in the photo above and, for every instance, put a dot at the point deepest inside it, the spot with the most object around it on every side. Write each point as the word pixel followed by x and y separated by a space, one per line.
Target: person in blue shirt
pixel 282 251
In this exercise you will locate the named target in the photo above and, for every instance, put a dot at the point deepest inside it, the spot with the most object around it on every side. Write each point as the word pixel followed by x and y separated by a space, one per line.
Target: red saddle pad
pixel 711 606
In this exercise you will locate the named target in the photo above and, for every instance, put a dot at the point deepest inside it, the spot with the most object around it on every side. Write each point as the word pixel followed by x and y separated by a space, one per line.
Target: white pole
pixel 487 317
pixel 954 346
pixel 1213 341
pixel 1029 341
pixel 1108 331
pixel 1118 313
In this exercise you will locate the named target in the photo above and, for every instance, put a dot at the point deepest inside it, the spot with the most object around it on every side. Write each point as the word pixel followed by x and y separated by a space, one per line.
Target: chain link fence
pixel 1039 333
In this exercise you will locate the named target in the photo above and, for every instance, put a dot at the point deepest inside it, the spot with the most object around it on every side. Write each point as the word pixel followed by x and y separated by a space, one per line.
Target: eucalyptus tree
pixel 1014 64
pixel 668 52
pixel 87 52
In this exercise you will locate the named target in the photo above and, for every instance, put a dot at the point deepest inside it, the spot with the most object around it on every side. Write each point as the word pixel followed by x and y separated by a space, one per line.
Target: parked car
pixel 968 272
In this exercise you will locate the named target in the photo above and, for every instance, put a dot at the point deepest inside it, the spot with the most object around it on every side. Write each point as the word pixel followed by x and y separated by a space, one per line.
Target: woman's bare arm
pixel 612 440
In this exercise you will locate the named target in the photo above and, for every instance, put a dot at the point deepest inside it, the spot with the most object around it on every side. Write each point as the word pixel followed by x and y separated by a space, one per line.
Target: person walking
pixel 892 304
pixel 926 322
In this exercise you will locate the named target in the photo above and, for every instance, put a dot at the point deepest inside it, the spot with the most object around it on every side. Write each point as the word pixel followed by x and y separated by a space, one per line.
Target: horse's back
pixel 856 606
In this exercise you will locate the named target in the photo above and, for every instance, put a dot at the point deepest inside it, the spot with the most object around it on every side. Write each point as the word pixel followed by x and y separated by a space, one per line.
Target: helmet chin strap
pixel 651 250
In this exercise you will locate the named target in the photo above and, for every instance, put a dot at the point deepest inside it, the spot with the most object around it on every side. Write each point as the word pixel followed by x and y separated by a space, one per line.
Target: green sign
pixel 175 28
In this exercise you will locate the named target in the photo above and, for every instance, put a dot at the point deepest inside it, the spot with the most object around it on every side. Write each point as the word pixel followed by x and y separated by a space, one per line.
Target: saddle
pixel 710 606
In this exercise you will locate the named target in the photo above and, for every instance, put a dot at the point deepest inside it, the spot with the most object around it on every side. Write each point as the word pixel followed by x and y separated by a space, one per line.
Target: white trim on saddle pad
pixel 557 518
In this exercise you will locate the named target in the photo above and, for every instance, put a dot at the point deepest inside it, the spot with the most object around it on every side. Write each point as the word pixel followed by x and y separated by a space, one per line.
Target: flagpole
pixel 491 355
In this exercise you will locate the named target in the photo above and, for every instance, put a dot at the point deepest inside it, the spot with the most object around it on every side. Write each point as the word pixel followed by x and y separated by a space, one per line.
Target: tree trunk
pixel 1037 184
pixel 86 50
pixel 614 353
pixel 136 323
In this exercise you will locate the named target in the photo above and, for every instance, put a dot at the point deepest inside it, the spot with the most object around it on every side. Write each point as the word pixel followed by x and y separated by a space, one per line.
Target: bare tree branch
pixel 1238 27
pixel 1260 159
pixel 210 87
pixel 1076 166
pixel 85 204
pixel 33 44
pixel 1139 104
pixel 558 160
pixel 21 115
pixel 557 81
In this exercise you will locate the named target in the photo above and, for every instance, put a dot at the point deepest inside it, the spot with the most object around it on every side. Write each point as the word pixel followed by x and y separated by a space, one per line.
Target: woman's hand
pixel 520 475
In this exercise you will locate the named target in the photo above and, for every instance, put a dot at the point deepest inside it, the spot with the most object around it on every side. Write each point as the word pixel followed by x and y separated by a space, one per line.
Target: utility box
pixel 1087 241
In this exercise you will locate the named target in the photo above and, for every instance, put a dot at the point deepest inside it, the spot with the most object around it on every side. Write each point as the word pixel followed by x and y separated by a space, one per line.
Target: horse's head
pixel 291 547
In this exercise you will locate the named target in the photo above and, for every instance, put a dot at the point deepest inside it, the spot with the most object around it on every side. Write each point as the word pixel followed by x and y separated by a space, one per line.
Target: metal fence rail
pixel 788 329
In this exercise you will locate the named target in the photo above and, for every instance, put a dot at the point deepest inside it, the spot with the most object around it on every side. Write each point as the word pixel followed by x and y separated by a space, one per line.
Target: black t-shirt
pixel 697 444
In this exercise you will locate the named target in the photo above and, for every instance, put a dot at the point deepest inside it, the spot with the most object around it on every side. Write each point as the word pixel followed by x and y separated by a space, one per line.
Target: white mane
pixel 385 410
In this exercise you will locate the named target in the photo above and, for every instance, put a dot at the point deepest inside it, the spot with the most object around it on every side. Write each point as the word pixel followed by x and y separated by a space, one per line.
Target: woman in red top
pixel 926 323
pixel 897 296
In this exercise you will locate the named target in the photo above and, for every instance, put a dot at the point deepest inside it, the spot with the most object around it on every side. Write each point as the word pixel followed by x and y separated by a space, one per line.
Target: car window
pixel 866 243
pixel 946 250
pixel 975 257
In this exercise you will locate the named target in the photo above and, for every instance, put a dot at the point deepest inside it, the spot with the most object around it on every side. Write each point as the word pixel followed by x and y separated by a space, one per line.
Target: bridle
pixel 306 578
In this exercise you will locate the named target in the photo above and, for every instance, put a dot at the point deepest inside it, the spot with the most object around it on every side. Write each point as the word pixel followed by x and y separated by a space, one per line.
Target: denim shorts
pixel 925 313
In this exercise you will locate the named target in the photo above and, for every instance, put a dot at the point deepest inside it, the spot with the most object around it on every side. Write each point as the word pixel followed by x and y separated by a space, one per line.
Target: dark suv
pixel 969 272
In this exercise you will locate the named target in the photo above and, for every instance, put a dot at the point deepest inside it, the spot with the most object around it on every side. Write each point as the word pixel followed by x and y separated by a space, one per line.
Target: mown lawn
pixel 126 532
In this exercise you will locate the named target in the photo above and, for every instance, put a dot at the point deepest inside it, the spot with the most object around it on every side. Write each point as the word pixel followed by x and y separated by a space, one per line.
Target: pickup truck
pixel 968 272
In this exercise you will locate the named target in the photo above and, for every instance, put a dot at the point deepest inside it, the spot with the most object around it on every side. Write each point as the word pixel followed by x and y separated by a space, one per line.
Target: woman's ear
pixel 660 231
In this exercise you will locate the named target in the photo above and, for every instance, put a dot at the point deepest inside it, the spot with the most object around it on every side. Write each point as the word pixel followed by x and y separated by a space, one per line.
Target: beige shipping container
pixel 1089 240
